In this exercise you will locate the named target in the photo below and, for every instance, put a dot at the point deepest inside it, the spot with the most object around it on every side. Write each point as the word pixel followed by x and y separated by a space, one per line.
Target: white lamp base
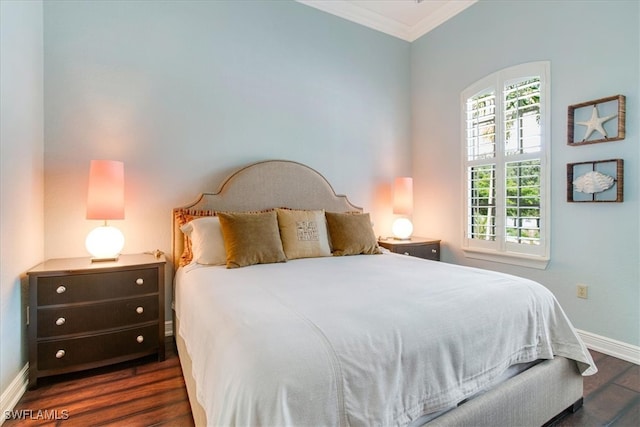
pixel 104 243
pixel 402 229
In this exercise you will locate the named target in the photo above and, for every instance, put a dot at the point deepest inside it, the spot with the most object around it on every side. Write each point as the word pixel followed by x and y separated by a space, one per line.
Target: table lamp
pixel 402 205
pixel 105 201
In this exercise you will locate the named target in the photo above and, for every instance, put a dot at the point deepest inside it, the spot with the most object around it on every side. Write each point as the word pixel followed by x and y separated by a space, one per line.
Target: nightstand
pixel 84 315
pixel 420 247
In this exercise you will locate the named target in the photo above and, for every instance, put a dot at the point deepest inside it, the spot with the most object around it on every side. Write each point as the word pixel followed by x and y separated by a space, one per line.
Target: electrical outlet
pixel 582 291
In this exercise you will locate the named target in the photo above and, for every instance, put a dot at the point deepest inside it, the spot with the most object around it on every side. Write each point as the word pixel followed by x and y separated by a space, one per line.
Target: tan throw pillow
pixel 351 234
pixel 251 238
pixel 303 233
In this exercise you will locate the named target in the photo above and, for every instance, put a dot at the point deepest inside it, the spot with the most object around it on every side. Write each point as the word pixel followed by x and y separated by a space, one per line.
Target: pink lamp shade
pixel 403 196
pixel 105 201
pixel 402 205
pixel 106 190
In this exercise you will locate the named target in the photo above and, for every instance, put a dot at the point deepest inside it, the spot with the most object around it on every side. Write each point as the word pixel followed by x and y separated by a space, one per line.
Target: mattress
pixel 359 340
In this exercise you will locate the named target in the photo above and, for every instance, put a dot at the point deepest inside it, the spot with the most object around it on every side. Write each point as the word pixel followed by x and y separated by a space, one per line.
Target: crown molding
pixel 354 13
pixel 359 15
pixel 443 14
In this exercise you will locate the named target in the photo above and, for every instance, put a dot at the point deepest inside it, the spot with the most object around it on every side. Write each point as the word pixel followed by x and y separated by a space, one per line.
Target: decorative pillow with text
pixel 303 233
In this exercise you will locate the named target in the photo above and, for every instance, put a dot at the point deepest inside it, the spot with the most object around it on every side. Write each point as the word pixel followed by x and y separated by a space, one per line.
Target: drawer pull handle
pixel 140 339
pixel 434 251
pixel 60 321
pixel 61 289
pixel 60 354
pixel 140 310
pixel 139 281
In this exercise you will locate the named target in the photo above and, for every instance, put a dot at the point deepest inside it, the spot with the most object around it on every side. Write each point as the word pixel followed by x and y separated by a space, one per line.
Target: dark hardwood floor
pixel 140 393
pixel 611 397
pixel 148 393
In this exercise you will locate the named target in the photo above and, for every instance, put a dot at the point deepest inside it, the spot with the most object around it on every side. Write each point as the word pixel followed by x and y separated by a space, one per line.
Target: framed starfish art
pixel 601 120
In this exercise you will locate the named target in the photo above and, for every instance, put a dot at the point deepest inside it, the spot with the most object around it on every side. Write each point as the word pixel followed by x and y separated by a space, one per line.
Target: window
pixel 506 138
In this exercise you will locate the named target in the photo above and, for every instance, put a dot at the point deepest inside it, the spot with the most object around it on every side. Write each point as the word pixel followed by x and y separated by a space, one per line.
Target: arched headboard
pixel 266 185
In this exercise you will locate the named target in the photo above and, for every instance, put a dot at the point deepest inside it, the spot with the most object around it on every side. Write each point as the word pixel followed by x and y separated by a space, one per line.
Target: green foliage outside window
pixel 523 202
pixel 482 202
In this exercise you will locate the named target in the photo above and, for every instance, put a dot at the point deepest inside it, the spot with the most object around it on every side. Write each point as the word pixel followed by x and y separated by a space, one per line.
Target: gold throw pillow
pixel 251 238
pixel 351 234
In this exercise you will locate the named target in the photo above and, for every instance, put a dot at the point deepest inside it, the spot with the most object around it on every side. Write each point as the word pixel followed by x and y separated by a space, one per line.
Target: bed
pixel 373 338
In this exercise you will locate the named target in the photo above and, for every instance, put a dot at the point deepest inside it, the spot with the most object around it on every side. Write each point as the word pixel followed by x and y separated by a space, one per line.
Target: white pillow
pixel 206 240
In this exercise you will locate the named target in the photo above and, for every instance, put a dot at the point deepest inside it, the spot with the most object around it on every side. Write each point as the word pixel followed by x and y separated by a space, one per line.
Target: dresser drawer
pixel 96 286
pixel 422 251
pixel 73 319
pixel 419 247
pixel 101 347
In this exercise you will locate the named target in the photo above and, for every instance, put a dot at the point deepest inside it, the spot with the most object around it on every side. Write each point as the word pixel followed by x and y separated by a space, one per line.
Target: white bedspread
pixel 359 340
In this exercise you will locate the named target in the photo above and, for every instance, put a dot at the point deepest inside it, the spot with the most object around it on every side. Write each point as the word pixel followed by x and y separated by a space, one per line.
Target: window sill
pixel 522 260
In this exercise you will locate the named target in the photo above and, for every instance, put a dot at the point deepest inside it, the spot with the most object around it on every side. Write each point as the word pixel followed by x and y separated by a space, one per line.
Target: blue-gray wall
pixel 21 179
pixel 186 92
pixel 594 51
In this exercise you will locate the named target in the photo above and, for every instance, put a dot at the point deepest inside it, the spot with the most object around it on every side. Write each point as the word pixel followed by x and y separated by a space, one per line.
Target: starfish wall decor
pixel 595 125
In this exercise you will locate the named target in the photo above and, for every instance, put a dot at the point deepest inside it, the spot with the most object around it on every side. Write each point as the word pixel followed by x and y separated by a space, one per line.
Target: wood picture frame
pixel 609 117
pixel 613 168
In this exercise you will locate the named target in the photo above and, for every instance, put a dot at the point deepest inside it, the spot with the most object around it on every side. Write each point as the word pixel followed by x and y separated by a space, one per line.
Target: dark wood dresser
pixel 84 315
pixel 420 247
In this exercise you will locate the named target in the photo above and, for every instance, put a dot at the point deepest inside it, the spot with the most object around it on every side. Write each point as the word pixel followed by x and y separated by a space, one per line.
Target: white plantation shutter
pixel 481 126
pixel 505 131
pixel 521 106
pixel 522 223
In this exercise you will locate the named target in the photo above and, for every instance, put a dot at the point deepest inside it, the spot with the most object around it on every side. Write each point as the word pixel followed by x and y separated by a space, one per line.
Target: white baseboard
pixel 611 347
pixel 14 392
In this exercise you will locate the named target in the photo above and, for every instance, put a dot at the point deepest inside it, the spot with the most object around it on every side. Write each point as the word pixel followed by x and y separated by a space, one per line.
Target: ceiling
pixel 405 19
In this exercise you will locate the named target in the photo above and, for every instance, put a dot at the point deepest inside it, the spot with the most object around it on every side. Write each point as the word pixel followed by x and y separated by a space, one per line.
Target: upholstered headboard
pixel 266 185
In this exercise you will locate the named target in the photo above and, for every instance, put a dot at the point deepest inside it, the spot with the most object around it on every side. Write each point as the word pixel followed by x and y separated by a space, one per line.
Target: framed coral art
pixel 600 120
pixel 597 181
